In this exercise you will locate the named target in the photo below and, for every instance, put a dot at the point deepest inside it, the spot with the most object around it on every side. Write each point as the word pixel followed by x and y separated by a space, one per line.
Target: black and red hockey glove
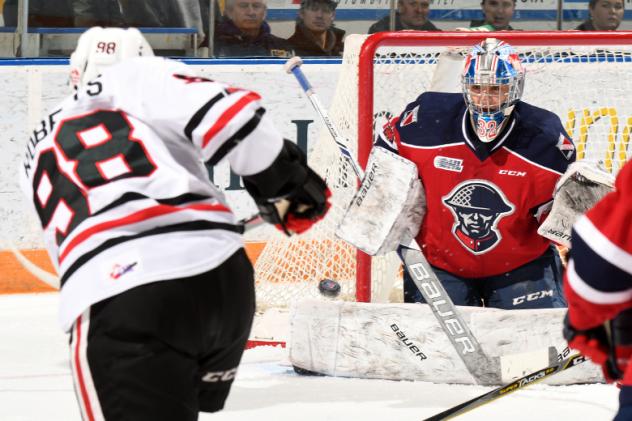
pixel 289 194
pixel 606 345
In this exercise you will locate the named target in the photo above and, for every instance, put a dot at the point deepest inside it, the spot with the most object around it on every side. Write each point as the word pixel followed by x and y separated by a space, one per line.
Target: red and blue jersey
pixel 485 201
pixel 598 279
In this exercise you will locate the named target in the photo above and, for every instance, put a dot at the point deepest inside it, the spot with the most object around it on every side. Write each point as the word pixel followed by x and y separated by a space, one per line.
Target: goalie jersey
pixel 117 177
pixel 484 200
pixel 598 279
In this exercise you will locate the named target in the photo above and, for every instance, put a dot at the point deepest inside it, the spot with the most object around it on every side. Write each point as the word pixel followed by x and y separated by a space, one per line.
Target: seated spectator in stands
pixel 89 13
pixel 498 14
pixel 605 15
pixel 315 34
pixel 244 32
pixel 411 14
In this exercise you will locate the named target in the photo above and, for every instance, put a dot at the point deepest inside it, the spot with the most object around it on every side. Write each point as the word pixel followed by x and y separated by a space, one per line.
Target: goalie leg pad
pixel 581 186
pixel 387 208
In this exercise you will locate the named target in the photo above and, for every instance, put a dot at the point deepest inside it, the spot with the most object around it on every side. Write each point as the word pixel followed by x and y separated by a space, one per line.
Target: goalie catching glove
pixel 579 189
pixel 289 194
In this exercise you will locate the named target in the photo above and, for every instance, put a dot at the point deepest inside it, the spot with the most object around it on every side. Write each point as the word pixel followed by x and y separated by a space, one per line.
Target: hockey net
pixel 583 77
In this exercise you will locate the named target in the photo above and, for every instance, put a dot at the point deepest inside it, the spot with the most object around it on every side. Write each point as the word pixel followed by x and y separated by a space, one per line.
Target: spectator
pixel 244 32
pixel 411 14
pixel 498 14
pixel 605 15
pixel 89 13
pixel 315 34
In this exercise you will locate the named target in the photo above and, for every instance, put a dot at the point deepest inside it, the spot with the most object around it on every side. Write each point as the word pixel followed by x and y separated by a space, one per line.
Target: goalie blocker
pixel 579 189
pixel 388 207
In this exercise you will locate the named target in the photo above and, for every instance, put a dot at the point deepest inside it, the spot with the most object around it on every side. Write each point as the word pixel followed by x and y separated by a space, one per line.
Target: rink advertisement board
pixel 32 88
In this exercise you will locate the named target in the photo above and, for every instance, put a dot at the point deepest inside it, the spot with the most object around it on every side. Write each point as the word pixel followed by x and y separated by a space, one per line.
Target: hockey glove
pixel 289 194
pixel 603 345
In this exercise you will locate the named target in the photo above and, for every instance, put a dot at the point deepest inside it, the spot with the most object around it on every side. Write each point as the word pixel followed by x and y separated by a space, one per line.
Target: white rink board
pixel 29 91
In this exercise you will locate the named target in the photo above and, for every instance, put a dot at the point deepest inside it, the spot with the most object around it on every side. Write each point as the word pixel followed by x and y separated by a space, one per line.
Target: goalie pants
pixel 165 350
pixel 538 284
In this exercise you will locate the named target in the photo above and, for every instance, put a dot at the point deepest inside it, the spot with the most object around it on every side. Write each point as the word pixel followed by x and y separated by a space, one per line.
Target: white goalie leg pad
pixel 405 342
pixel 581 186
pixel 387 208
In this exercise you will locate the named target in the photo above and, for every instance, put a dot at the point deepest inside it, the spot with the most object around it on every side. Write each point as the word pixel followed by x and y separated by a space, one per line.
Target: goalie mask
pixel 99 48
pixel 493 81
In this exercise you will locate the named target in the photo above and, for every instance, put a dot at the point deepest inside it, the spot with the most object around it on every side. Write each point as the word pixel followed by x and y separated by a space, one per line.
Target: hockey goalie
pixel 471 177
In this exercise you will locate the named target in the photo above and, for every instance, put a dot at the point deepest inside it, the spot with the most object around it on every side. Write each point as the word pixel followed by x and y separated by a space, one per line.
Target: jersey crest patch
pixel 565 145
pixel 388 134
pixel 450 164
pixel 409 117
pixel 477 207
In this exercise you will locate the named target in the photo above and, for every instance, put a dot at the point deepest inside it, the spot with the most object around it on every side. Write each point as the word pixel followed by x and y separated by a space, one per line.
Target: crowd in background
pixel 241 29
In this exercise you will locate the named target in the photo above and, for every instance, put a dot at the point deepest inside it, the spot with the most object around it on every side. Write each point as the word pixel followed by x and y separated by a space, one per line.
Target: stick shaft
pixel 514 386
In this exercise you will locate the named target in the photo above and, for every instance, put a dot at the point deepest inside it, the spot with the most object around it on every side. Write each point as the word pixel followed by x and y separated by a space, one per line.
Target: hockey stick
pixel 485 370
pixel 518 384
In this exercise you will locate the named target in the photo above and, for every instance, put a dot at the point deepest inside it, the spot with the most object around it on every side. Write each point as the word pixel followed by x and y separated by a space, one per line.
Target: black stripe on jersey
pixel 199 115
pixel 185 226
pixel 173 201
pixel 234 140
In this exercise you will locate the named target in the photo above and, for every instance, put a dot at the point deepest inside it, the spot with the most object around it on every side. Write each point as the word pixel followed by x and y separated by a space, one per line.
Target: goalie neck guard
pixel 492 81
pixel 99 48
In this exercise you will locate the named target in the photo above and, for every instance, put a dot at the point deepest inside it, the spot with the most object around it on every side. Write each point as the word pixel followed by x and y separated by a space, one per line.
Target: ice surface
pixel 35 384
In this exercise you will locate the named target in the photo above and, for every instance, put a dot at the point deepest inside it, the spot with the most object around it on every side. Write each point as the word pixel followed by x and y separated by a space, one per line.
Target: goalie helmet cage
pixel 583 77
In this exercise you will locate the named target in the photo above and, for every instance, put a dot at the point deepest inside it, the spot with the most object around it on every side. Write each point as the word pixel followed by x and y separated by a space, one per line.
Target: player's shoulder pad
pixel 542 138
pixel 431 112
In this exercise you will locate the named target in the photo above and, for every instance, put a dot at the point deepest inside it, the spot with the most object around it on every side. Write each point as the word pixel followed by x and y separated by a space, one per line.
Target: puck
pixel 329 287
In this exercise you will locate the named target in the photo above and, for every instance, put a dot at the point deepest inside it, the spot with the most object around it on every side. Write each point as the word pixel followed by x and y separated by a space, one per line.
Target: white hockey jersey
pixel 116 175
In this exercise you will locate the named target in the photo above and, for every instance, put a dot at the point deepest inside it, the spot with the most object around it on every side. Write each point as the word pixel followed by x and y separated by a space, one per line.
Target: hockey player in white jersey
pixel 156 288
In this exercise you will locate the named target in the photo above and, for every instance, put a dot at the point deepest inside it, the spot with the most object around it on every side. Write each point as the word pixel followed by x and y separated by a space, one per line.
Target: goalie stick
pixel 484 370
pixel 499 392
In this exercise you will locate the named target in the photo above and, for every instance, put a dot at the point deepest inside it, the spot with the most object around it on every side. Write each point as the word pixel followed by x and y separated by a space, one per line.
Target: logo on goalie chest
pixel 477 207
